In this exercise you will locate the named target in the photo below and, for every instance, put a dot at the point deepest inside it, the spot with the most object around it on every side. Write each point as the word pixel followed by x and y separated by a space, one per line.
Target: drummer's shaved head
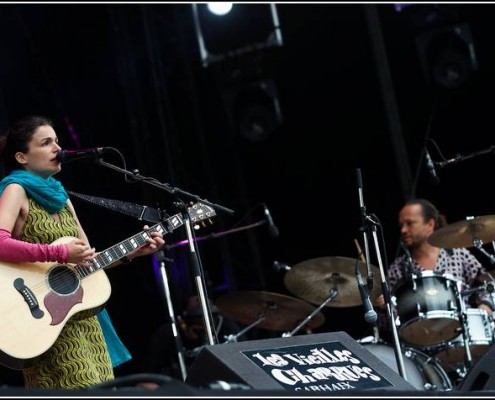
pixel 429 212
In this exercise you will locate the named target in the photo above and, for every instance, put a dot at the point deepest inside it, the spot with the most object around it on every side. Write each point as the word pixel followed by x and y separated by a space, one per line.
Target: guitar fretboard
pixel 116 252
pixel 197 212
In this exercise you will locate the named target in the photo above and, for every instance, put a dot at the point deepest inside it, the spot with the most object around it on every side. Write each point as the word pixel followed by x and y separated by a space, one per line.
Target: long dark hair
pixel 429 212
pixel 16 138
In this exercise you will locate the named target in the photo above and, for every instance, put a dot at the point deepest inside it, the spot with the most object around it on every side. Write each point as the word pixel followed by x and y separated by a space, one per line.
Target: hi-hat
pixel 464 233
pixel 281 312
pixel 313 279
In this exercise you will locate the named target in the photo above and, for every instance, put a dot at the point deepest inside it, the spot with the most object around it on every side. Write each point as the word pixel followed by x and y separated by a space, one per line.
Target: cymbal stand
pixel 261 318
pixel 478 243
pixel 332 295
pixel 368 222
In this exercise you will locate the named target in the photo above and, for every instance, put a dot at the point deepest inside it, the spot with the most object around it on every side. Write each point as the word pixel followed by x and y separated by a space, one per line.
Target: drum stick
pixel 360 251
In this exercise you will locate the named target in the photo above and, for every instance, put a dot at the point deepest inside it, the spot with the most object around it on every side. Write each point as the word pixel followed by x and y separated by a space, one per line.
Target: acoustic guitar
pixel 37 299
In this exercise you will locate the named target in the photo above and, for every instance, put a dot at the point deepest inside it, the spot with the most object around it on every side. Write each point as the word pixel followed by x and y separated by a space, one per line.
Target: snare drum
pixel 479 336
pixel 428 307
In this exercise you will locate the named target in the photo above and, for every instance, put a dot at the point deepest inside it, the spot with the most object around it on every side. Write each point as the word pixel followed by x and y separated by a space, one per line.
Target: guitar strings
pixel 119 250
pixel 116 252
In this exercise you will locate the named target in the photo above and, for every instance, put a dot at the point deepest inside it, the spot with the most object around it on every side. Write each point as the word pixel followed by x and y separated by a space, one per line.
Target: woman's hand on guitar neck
pixel 154 243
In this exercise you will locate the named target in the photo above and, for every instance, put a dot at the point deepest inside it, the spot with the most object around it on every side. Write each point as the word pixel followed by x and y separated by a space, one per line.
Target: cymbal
pixel 464 233
pixel 282 313
pixel 313 279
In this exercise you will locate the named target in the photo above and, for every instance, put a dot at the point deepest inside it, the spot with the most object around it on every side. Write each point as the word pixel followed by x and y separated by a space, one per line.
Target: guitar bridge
pixel 29 297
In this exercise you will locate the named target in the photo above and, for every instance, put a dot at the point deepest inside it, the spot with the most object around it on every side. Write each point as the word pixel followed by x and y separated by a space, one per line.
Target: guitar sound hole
pixel 63 280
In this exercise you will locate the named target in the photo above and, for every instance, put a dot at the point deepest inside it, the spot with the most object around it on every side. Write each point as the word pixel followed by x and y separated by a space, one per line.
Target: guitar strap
pixel 143 213
pixel 117 350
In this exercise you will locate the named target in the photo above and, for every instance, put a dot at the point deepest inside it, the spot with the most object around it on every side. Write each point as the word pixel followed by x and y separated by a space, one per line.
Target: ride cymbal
pixel 464 233
pixel 313 279
pixel 282 313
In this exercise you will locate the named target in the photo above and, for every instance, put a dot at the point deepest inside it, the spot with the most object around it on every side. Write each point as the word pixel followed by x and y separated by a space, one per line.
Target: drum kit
pixel 441 338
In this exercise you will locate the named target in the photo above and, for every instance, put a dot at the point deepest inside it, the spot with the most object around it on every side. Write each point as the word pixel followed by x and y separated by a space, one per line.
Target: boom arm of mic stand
pixel 217 235
pixel 199 276
pixel 460 158
pixel 165 186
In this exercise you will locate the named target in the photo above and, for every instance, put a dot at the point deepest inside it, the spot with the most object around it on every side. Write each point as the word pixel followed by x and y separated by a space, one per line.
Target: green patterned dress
pixel 79 357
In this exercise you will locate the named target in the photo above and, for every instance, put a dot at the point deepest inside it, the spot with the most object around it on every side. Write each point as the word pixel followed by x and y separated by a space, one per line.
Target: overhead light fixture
pixel 219 8
pixel 247 27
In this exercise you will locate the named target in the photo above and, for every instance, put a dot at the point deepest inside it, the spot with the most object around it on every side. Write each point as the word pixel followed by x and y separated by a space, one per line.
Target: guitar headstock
pixel 200 212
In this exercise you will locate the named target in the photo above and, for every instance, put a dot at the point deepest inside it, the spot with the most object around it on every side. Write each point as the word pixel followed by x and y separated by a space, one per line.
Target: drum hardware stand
pixel 261 317
pixel 178 193
pixel 464 327
pixel 385 290
pixel 331 295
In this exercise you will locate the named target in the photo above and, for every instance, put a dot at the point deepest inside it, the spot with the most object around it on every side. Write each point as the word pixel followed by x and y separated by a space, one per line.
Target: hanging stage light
pixel 219 7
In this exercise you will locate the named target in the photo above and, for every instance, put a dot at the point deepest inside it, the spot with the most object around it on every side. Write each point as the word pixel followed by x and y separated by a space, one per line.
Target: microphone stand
pixel 386 294
pixel 217 235
pixel 459 158
pixel 199 279
pixel 160 256
pixel 408 264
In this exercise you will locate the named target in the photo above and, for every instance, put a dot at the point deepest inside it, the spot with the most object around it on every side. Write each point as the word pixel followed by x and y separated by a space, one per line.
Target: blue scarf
pixel 51 195
pixel 47 192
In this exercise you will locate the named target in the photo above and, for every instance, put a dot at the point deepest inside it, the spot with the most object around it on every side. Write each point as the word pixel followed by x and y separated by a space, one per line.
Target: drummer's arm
pixel 485 307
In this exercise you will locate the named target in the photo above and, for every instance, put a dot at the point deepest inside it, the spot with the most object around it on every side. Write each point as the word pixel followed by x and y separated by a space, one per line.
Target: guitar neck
pixel 127 246
pixel 197 212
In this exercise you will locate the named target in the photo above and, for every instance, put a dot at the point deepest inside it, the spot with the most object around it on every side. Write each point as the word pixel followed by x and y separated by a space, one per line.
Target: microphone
pixel 278 266
pixel 66 156
pixel 431 168
pixel 370 315
pixel 454 160
pixel 271 226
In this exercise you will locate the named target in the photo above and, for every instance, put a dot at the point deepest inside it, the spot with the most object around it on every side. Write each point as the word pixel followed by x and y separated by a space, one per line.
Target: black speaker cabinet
pixel 481 376
pixel 324 362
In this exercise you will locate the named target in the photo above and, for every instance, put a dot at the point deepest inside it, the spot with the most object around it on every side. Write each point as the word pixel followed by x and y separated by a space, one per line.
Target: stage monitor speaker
pixel 324 362
pixel 481 376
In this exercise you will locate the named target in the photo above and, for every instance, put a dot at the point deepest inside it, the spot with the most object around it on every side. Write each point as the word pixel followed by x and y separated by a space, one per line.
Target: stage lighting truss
pixel 246 28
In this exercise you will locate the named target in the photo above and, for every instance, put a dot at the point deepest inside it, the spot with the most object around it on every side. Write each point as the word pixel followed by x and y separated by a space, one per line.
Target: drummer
pixel 418 219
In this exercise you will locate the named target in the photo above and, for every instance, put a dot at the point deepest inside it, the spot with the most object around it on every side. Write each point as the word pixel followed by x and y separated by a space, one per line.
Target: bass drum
pixel 422 371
